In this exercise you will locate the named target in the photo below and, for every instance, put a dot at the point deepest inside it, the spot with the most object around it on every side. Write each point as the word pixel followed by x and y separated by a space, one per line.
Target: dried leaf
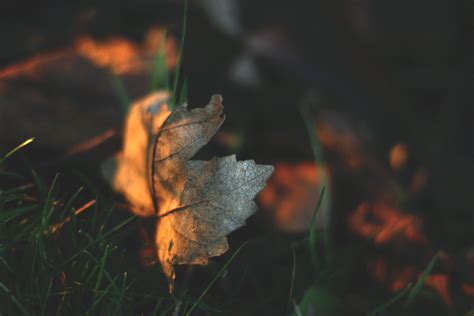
pixel 197 203
pixel 128 171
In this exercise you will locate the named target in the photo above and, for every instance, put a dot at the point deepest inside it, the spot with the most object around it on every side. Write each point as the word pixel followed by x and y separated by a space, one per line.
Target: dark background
pixel 386 71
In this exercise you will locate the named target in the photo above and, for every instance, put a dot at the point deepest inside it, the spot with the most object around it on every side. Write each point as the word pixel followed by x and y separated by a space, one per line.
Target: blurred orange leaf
pixel 385 224
pixel 292 194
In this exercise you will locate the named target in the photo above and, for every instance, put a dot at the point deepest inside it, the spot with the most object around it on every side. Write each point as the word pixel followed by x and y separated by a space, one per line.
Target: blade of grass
pixel 379 309
pixel 101 238
pixel 12 198
pixel 21 189
pixel 6 265
pixel 68 206
pixel 102 295
pixel 96 264
pixel 48 204
pixel 297 311
pixel 47 295
pixel 37 242
pixel 421 281
pixel 183 96
pixel 221 271
pixel 9 215
pixel 100 274
pixel 99 268
pixel 92 272
pixel 15 301
pixel 11 174
pixel 316 147
pixel 180 58
pixel 292 282
pixel 108 212
pixel 157 306
pixel 160 75
pixel 313 235
pixel 318 155
pixel 168 310
pixel 122 294
pixel 320 300
pixel 17 148
pixel 39 184
pixel 121 91
pixel 27 230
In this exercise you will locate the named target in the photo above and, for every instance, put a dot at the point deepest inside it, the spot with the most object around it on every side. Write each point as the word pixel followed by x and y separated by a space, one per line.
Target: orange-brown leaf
pixel 197 203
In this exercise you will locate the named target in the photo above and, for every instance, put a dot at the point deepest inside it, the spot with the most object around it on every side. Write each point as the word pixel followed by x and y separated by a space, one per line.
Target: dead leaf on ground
pixel 197 203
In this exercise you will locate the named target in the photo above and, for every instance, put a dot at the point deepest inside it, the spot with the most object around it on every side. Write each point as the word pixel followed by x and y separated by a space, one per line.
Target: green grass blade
pixel 6 265
pixel 102 295
pixel 101 238
pixel 12 198
pixel 157 306
pixel 221 271
pixel 122 294
pixel 313 235
pixel 98 266
pixel 292 282
pixel 316 147
pixel 17 148
pixel 91 273
pixel 19 189
pixel 297 311
pixel 159 74
pixel 15 301
pixel 9 215
pixel 183 96
pixel 421 281
pixel 68 206
pixel 121 91
pixel 39 184
pixel 180 58
pixel 393 300
pixel 100 274
pixel 318 155
pixel 11 174
pixel 318 300
pixel 48 203
pixel 47 295
pixel 27 229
